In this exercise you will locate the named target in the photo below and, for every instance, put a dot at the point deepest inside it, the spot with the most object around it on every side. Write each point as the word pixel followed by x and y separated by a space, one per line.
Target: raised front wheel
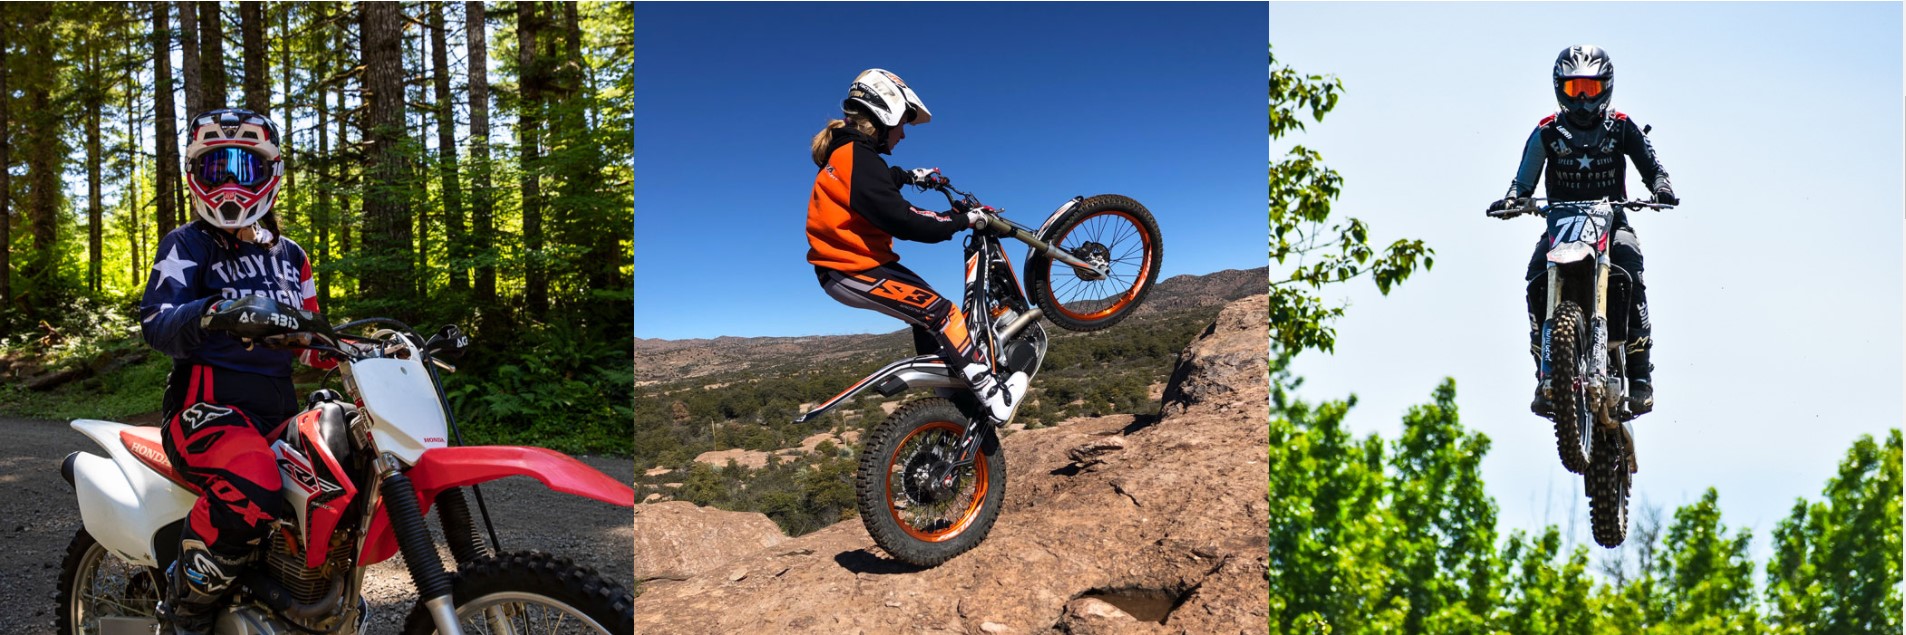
pixel 1119 239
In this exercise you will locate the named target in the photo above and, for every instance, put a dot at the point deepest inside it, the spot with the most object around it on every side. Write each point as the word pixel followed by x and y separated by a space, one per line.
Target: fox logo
pixel 200 413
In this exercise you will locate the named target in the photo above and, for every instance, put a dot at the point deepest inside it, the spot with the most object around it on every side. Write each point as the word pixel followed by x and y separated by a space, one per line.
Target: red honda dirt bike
pixel 358 475
pixel 932 477
pixel 1584 331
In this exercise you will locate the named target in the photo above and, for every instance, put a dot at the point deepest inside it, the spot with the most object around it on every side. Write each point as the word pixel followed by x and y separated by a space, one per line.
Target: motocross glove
pixel 1666 196
pixel 929 178
pixel 1500 205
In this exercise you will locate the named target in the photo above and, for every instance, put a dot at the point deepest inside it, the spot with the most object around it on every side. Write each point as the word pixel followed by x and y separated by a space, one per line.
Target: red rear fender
pixel 439 469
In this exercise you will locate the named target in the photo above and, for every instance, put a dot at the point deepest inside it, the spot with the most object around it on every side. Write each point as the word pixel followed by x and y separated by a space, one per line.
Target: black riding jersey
pixel 1587 165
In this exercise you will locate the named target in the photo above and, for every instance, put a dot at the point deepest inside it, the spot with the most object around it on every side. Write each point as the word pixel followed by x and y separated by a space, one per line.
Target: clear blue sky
pixel 1032 104
pixel 1775 288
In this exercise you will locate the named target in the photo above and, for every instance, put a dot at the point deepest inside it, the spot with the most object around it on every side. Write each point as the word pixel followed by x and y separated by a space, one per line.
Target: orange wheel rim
pixel 981 483
pixel 1125 297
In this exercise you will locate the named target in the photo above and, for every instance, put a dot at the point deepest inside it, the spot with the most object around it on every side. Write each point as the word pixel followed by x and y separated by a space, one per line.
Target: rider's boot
pixel 199 579
pixel 1000 402
pixel 1540 406
pixel 1641 389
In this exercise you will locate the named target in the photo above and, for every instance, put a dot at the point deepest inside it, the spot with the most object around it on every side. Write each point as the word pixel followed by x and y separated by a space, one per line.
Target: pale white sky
pixel 1775 289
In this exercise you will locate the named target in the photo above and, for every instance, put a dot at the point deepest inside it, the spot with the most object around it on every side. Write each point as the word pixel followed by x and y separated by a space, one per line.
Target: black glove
pixel 1666 196
pixel 1500 205
pixel 252 317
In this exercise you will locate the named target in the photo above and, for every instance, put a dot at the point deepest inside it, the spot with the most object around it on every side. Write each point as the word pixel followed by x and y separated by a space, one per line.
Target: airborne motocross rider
pixel 224 398
pixel 855 212
pixel 1578 154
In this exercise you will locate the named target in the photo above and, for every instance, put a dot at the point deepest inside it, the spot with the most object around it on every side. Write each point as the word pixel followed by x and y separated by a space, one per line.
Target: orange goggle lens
pixel 1582 87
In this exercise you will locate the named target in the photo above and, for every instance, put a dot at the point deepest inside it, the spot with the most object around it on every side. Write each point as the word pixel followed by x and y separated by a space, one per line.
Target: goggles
pixel 218 166
pixel 1582 87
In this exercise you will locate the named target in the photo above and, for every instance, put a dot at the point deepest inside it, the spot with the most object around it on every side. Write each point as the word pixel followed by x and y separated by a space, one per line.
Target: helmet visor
pixel 1582 87
pixel 218 166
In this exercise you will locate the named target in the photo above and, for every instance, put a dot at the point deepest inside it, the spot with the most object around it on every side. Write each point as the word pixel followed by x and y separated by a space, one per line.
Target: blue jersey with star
pixel 199 264
pixel 1587 164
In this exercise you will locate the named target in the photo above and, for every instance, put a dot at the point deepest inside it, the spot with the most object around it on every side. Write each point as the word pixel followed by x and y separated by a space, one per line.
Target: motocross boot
pixel 1540 406
pixel 1000 404
pixel 1641 390
pixel 195 589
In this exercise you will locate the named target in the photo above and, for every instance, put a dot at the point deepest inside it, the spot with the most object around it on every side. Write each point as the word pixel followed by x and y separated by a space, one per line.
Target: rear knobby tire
pixel 542 587
pixel 1567 401
pixel 1129 237
pixel 926 533
pixel 1608 482
pixel 90 572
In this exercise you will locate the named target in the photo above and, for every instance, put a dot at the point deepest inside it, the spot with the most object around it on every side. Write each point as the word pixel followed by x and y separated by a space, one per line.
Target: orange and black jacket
pixel 856 209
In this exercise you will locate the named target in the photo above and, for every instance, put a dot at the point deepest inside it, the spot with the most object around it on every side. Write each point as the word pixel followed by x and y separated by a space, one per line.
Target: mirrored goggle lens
pixel 232 165
pixel 1581 87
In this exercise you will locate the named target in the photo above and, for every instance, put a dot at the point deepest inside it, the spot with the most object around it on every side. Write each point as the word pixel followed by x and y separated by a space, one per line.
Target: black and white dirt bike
pixel 1584 332
pixel 358 474
pixel 932 477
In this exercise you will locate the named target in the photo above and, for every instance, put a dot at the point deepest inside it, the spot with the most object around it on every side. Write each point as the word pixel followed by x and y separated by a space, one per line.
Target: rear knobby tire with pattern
pixel 1109 227
pixel 96 584
pixel 1608 487
pixel 911 521
pixel 549 592
pixel 1567 401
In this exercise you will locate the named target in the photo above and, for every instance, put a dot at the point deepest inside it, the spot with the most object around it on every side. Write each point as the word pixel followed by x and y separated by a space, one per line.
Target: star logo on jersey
pixel 172 267
pixel 1584 162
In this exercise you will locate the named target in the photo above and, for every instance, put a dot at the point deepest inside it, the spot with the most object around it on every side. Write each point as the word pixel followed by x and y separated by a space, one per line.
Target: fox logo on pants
pixel 200 413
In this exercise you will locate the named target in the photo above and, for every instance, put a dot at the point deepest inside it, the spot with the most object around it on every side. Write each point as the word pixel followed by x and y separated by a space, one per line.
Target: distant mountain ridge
pixel 662 359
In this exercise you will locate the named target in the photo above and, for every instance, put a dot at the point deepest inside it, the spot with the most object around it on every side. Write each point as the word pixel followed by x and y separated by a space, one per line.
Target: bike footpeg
pixel 890 386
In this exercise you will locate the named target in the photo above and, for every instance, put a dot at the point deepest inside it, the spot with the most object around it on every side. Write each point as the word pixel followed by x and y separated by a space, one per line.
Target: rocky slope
pixel 1122 524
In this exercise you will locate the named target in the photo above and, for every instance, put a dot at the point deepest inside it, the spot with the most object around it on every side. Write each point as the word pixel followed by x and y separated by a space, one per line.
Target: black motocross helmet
pixel 1584 81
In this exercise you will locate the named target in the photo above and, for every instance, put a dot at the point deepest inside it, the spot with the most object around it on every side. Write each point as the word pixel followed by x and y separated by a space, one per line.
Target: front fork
pixel 1607 389
pixel 413 540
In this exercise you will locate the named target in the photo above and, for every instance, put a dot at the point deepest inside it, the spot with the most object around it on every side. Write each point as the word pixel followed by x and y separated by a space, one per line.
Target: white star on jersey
pixel 173 267
pixel 1584 162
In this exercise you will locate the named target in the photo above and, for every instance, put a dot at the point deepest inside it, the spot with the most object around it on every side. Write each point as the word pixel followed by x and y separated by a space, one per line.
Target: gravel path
pixel 38 518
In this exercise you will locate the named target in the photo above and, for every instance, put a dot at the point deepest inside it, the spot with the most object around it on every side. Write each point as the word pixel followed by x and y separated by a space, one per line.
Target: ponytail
pixel 824 139
pixel 856 118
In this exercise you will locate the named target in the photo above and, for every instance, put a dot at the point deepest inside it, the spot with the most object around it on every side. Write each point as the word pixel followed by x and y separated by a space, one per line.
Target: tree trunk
pixel 40 127
pixel 325 183
pixel 454 240
pixel 251 28
pixel 387 195
pixel 189 63
pixel 529 137
pixel 135 230
pixel 482 229
pixel 212 56
pixel 165 132
pixel 92 102
pixel 291 111
pixel 6 165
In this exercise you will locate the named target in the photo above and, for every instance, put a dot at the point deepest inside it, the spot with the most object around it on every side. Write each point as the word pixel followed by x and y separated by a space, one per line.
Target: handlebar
pixel 1526 205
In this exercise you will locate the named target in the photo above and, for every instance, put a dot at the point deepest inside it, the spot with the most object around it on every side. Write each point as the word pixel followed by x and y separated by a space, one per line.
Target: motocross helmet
pixel 233 166
pixel 887 98
pixel 1584 80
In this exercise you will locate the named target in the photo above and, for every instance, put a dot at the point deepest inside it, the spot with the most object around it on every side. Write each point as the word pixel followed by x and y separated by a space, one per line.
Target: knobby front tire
pixel 910 522
pixel 1568 399
pixel 534 592
pixel 1108 227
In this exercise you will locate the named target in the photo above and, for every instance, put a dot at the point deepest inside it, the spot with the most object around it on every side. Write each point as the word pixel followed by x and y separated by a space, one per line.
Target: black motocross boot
pixel 197 582
pixel 1540 406
pixel 1641 389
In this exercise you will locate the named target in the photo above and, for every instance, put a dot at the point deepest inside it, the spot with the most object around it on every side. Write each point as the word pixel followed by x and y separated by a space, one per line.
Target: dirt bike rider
pixel 1578 152
pixel 224 398
pixel 855 212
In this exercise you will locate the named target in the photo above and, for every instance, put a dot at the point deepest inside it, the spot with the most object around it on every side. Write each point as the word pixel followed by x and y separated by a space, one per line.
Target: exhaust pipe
pixel 66 467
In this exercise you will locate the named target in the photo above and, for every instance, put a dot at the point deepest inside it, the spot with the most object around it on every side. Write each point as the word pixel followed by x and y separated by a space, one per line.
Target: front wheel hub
pixel 1096 255
pixel 921 484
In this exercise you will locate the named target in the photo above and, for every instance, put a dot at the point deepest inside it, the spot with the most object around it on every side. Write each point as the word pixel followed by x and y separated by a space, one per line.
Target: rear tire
pixel 909 520
pixel 534 588
pixel 1109 227
pixel 1608 487
pixel 1567 397
pixel 96 584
